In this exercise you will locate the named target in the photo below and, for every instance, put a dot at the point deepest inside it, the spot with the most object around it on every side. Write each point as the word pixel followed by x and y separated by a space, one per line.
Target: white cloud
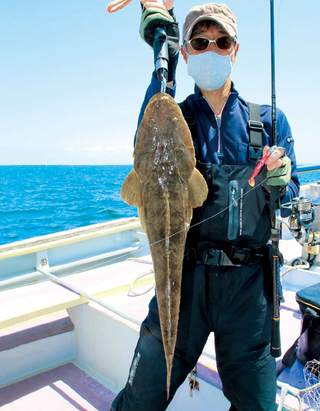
pixel 93 149
pixel 120 148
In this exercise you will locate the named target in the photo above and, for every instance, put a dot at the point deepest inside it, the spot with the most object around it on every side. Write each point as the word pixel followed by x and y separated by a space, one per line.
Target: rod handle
pixel 275 338
pixel 161 53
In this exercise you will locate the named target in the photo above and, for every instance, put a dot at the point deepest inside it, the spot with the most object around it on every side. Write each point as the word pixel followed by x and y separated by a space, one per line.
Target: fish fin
pixel 142 220
pixel 131 190
pixel 198 189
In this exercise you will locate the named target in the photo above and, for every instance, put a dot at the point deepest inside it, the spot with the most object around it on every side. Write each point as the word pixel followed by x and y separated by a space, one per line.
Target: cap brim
pixel 227 27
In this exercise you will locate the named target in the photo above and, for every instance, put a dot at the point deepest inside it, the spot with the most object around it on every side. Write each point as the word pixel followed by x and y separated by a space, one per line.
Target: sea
pixel 40 200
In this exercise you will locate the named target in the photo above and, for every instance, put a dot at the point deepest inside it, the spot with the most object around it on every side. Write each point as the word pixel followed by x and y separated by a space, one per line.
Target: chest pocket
pixel 234 212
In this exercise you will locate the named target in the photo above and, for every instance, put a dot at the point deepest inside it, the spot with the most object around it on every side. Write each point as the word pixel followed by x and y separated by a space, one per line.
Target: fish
pixel 165 185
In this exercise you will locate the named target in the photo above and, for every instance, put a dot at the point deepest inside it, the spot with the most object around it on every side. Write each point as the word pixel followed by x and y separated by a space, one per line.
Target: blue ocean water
pixel 39 200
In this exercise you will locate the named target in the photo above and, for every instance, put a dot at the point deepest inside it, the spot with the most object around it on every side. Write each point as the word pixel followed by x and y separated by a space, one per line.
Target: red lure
pixel 259 166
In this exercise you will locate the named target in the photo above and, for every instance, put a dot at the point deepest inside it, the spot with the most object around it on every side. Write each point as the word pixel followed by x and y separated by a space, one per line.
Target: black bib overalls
pixel 233 299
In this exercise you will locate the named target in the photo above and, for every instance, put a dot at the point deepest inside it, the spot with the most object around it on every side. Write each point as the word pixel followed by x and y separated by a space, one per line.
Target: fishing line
pixel 219 212
pixel 109 261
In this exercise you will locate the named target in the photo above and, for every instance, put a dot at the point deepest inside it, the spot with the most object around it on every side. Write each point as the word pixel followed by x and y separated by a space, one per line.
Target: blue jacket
pixel 230 145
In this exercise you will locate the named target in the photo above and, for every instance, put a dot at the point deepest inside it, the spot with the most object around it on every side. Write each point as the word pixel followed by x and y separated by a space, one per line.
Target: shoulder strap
pixel 255 131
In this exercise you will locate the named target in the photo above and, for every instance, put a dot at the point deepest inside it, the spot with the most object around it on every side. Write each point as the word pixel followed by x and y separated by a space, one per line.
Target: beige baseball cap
pixel 220 13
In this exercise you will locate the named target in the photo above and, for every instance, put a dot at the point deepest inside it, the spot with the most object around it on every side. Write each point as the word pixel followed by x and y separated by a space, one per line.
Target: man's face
pixel 210 33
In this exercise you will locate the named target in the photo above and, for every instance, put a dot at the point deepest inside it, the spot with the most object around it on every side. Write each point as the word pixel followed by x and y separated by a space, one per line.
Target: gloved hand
pixel 278 172
pixel 281 176
pixel 154 17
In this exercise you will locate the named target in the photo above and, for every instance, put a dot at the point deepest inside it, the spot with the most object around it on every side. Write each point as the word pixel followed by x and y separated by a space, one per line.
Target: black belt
pixel 232 256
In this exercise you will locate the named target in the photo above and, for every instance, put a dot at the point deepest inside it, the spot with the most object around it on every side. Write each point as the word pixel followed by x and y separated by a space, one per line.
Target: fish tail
pixel 168 299
pixel 168 385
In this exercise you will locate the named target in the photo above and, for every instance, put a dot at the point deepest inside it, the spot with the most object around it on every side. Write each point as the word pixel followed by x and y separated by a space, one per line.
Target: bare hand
pixel 274 161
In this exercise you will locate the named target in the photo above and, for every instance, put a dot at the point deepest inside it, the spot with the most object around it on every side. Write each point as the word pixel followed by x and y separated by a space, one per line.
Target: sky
pixel 73 76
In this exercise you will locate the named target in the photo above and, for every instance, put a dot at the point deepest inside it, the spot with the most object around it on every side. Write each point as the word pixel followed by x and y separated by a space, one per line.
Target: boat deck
pixel 66 388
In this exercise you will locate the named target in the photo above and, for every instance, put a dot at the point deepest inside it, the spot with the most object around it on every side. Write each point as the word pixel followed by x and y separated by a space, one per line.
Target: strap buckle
pixel 255 149
pixel 255 125
pixel 211 256
pixel 254 152
pixel 241 256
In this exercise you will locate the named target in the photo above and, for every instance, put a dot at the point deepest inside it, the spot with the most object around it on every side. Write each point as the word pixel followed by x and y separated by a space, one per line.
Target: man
pixel 227 282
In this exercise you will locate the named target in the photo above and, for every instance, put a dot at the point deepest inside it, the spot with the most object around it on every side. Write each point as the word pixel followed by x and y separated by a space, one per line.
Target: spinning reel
pixel 302 220
pixel 304 224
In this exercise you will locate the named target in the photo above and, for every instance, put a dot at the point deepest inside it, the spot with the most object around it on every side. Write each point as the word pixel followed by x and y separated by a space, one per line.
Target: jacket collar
pixel 231 101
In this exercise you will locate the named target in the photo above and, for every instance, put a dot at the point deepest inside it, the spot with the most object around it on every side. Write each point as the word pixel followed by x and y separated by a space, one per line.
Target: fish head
pixel 163 140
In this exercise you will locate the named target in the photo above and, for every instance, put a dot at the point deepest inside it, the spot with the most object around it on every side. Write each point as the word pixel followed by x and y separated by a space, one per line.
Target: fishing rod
pixel 161 57
pixel 275 208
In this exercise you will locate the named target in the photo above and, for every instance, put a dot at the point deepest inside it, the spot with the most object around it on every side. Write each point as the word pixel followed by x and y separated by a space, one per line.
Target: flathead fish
pixel 165 186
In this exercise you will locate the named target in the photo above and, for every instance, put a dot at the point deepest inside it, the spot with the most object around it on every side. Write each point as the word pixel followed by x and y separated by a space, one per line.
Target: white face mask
pixel 209 70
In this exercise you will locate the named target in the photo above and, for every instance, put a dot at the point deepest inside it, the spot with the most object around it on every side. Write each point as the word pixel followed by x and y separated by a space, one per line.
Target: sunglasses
pixel 202 44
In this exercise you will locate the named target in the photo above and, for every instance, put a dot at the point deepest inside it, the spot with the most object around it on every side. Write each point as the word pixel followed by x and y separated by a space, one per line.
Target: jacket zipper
pixel 218 122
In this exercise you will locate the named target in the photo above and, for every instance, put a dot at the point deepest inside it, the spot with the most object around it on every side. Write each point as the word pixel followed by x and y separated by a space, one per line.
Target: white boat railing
pixel 87 295
pixel 68 237
pixel 101 244
pixel 34 277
